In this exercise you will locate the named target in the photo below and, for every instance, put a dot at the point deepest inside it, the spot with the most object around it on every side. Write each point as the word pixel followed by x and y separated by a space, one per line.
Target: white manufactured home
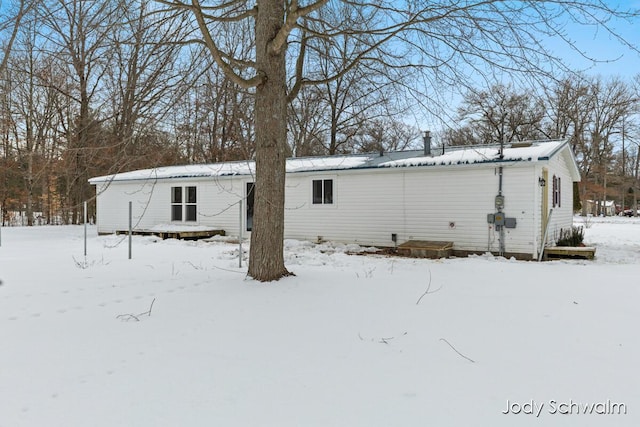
pixel 480 198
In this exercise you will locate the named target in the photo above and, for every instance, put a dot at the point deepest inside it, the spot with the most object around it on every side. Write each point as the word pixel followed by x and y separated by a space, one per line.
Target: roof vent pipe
pixel 426 139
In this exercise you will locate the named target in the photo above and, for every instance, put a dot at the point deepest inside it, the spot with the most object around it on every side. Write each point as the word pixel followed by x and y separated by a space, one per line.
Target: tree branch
pixel 293 14
pixel 219 56
pixel 293 93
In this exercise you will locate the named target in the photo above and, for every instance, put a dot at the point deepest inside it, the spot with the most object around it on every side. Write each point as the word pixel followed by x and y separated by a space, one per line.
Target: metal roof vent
pixel 426 139
pixel 521 144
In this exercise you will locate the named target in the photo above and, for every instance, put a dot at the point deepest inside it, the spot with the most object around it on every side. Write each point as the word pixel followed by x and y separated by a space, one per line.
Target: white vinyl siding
pixel 149 205
pixel 442 203
pixel 417 204
pixel 562 217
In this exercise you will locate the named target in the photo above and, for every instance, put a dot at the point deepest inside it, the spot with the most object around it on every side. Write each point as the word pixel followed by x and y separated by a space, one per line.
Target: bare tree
pixel 33 104
pixel 368 90
pixel 612 102
pixel 10 179
pixel 143 82
pixel 272 29
pixel 636 145
pixel 498 114
pixel 307 130
pixel 447 39
pixel 79 32
pixel 569 106
pixel 11 19
pixel 386 134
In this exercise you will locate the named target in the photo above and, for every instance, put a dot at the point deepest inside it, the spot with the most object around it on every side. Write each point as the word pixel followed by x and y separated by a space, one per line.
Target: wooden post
pixel 130 226
pixel 85 228
pixel 240 235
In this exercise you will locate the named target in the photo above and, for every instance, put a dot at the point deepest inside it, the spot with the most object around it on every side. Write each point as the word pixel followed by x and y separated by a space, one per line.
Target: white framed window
pixel 322 191
pixel 184 204
pixel 176 203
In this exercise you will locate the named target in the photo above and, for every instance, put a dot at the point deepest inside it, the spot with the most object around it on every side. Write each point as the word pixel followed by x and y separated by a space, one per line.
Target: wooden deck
pixel 176 234
pixel 560 252
pixel 426 249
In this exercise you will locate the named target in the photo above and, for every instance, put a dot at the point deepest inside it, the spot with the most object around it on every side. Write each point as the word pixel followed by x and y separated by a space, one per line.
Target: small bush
pixel 570 237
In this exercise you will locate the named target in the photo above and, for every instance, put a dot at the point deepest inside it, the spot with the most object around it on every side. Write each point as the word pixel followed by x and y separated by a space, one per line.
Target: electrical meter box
pixel 499 202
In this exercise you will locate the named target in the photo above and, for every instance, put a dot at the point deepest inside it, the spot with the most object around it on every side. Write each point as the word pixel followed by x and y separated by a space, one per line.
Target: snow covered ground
pixel 349 341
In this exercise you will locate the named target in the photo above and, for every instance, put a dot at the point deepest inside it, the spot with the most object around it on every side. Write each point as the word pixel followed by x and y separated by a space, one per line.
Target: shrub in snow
pixel 570 237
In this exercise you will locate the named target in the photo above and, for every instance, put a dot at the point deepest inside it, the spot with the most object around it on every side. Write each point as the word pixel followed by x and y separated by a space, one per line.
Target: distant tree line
pixel 89 88
pixel 600 116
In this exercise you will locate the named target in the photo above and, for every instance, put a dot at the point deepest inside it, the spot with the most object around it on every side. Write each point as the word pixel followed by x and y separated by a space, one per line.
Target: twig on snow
pixel 148 313
pixel 428 291
pixel 196 267
pixel 229 270
pixel 383 340
pixel 127 317
pixel 454 349
pixel 86 264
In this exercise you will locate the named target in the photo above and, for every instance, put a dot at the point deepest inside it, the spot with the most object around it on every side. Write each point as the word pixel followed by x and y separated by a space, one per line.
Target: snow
pixel 481 154
pixel 306 164
pixel 351 340
pixel 178 228
pixel 529 151
pixel 235 168
pixel 182 171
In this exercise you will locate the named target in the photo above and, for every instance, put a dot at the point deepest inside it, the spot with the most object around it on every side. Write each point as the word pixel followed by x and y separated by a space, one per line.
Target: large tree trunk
pixel 266 260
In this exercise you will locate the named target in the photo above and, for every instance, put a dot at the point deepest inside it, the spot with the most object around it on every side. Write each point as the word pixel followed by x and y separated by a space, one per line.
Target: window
pixel 176 203
pixel 322 191
pixel 183 203
pixel 556 191
pixel 190 205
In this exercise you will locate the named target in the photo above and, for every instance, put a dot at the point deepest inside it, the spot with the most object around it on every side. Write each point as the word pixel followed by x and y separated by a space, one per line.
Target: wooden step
pixel 426 249
pixel 176 234
pixel 578 252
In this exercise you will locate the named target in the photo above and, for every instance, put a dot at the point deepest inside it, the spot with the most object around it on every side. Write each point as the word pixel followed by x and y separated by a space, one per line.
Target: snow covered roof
pixel 525 151
pixel 245 167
